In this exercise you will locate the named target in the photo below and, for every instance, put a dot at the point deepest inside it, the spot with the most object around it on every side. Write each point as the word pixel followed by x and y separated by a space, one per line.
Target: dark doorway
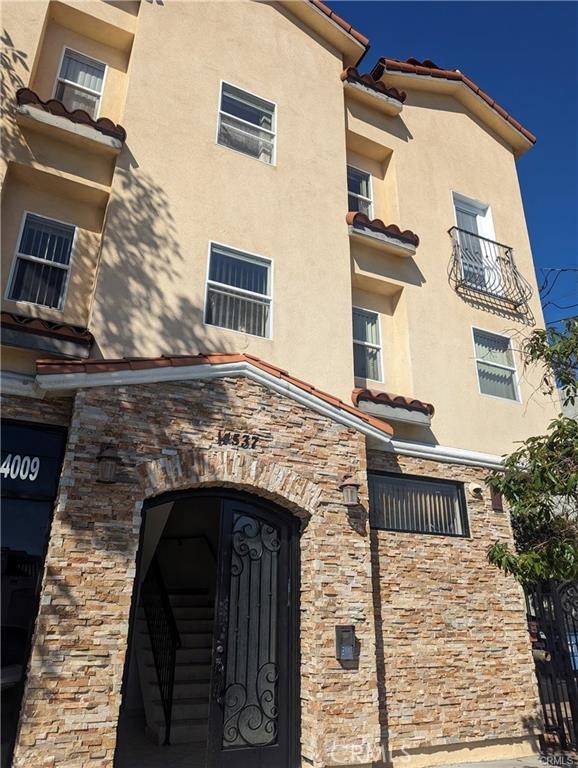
pixel 211 674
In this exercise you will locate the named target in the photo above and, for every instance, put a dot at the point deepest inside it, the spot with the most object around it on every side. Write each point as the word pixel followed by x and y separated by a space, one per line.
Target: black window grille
pixel 417 505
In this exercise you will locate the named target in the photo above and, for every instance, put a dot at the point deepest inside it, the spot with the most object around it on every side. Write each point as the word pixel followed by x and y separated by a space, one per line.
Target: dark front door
pixel 253 692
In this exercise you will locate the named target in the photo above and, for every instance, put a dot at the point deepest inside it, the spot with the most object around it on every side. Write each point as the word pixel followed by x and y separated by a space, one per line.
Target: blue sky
pixel 524 54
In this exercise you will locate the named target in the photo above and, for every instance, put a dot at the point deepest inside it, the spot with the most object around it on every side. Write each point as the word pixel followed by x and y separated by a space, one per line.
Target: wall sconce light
pixel 108 463
pixel 350 490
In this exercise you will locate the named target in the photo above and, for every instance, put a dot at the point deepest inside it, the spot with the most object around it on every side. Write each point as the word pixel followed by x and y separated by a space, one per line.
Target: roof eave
pixel 351 48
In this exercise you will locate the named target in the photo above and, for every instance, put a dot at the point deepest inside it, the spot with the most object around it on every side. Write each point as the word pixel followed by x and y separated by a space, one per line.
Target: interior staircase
pixel 193 612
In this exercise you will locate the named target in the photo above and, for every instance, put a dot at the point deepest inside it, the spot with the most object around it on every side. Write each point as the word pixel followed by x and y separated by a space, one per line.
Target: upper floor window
pixel 80 82
pixel 239 291
pixel 366 345
pixel 417 505
pixel 359 191
pixel 42 262
pixel 495 364
pixel 480 257
pixel 246 123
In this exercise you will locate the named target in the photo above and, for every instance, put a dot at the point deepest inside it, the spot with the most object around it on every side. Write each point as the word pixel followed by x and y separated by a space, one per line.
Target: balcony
pixel 485 271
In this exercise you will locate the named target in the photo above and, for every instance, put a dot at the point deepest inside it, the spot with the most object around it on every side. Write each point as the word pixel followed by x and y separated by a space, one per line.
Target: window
pixel 359 191
pixel 246 123
pixel 417 505
pixel 42 260
pixel 79 83
pixel 495 364
pixel 479 254
pixel 238 292
pixel 366 345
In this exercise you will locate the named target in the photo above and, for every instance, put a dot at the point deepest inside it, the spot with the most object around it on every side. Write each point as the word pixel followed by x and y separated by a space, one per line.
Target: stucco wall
pixel 176 190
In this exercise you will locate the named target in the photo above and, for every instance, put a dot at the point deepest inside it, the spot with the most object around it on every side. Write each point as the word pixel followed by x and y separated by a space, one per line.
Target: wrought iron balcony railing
pixel 485 268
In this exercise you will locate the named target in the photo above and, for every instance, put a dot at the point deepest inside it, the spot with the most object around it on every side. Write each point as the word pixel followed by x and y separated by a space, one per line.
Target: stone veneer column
pixel 166 437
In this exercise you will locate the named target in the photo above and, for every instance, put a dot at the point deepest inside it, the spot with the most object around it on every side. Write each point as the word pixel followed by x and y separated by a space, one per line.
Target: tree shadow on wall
pixel 144 303
pixel 14 69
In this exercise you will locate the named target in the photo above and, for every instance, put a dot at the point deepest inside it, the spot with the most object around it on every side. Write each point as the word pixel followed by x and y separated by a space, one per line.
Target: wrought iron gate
pixel 553 622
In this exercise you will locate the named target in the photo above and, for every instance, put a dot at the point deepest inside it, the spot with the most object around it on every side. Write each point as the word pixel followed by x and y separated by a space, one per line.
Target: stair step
pixel 184 655
pixel 194 625
pixel 185 709
pixel 183 672
pixel 185 731
pixel 193 612
pixel 200 600
pixel 189 640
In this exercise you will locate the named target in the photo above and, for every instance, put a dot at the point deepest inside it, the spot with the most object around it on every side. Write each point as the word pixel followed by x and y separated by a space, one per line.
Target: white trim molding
pixel 443 453
pixel 21 384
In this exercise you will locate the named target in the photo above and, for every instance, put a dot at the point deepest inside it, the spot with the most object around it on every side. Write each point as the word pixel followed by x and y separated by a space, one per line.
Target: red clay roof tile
pixel 340 22
pixel 394 401
pixel 39 327
pixel 47 367
pixel 351 74
pixel 427 67
pixel 55 107
pixel 357 219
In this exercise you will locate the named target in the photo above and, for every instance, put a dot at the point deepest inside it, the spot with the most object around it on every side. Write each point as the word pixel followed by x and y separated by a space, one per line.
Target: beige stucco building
pixel 262 307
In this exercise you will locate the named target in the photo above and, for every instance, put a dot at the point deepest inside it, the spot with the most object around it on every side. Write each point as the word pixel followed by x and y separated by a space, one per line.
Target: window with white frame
pixel 80 82
pixel 366 345
pixel 42 262
pixel 359 191
pixel 495 364
pixel 239 291
pixel 479 253
pixel 417 505
pixel 246 123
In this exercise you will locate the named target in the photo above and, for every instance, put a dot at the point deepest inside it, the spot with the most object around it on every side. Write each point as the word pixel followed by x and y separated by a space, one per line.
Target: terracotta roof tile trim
pixel 54 107
pixel 393 401
pixel 351 74
pixel 47 367
pixel 357 219
pixel 41 327
pixel 427 67
pixel 345 25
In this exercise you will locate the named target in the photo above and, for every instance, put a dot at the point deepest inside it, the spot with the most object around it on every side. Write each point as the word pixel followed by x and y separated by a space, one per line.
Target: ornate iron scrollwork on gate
pixel 250 706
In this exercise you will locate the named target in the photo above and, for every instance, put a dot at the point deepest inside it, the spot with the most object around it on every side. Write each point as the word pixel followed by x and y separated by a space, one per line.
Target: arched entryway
pixel 211 678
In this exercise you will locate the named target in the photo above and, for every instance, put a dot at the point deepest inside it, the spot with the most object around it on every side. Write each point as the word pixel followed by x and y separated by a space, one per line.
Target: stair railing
pixel 164 637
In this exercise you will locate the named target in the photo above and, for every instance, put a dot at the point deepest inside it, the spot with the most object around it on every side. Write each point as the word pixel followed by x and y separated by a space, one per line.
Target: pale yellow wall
pixel 19 197
pixel 56 39
pixel 438 148
pixel 176 190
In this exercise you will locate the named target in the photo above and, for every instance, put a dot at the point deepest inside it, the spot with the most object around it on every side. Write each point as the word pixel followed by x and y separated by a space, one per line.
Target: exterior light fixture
pixel 350 490
pixel 108 462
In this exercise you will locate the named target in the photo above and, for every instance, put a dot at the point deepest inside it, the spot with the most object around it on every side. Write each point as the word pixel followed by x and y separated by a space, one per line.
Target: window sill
pixel 388 239
pixel 52 118
pixel 367 93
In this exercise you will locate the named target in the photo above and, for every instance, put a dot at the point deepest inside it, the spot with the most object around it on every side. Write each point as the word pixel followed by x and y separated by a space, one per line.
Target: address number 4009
pixel 23 467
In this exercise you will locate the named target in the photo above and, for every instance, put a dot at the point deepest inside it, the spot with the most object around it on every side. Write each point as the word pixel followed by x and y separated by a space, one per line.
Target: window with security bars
pixel 80 82
pixel 42 261
pixel 495 365
pixel 359 191
pixel 247 123
pixel 239 292
pixel 417 505
pixel 366 345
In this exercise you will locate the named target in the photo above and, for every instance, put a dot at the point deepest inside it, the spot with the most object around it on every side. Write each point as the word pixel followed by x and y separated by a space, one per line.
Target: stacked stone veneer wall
pixel 166 435
pixel 453 651
pixel 52 411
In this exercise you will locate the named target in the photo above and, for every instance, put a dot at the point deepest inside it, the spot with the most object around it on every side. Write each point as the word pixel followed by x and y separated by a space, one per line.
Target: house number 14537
pixel 237 439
